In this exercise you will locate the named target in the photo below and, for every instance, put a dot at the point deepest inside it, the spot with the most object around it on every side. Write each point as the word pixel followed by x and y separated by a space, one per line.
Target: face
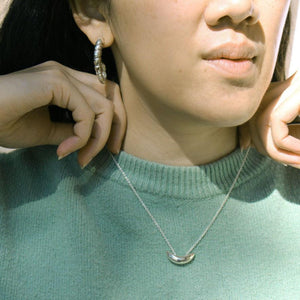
pixel 205 60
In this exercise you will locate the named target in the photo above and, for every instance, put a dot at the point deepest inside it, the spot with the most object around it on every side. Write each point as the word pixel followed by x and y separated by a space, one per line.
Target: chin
pixel 223 110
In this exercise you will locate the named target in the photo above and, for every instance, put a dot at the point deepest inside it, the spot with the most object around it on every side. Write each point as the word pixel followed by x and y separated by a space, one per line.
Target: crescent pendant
pixel 180 260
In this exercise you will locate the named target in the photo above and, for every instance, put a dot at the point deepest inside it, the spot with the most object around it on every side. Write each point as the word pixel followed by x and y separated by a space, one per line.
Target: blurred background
pixel 293 53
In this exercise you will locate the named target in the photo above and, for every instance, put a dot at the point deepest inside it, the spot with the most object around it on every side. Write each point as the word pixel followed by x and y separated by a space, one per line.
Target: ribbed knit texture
pixel 67 233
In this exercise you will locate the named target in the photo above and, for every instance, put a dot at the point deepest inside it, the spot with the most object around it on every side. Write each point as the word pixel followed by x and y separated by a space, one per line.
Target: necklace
pixel 189 256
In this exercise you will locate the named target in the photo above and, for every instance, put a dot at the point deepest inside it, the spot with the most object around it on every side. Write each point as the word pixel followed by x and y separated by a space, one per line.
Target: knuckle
pixel 275 115
pixel 51 63
pixel 106 106
pixel 55 77
pixel 109 105
pixel 90 117
pixel 54 70
pixel 57 73
pixel 280 143
pixel 115 86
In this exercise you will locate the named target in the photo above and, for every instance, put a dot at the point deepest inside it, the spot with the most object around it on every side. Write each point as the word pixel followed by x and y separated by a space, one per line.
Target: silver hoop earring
pixel 100 67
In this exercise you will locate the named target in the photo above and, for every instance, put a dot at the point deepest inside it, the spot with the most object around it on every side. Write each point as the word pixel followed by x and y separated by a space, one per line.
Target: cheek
pixel 156 50
pixel 151 31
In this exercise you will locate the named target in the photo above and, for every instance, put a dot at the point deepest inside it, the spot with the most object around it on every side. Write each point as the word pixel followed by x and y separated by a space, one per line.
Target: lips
pixel 232 59
pixel 237 68
pixel 232 51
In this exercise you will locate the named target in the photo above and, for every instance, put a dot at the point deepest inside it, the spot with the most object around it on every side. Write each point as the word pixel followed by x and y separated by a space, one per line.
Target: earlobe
pixel 92 23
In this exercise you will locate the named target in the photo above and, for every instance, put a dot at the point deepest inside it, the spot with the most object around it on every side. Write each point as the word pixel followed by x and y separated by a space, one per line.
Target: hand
pixel 269 130
pixel 97 111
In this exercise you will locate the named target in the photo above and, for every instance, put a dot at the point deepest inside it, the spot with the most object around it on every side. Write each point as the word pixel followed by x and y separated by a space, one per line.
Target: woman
pixel 190 72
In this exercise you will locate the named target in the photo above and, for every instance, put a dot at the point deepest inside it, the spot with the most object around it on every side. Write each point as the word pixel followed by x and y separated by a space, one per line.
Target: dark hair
pixel 35 31
pixel 279 72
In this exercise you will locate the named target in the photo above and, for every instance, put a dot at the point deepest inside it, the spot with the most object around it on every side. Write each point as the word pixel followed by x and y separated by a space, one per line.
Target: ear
pixel 92 20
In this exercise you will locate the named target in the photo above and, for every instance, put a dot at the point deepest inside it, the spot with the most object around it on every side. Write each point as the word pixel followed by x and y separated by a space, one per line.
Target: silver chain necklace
pixel 189 256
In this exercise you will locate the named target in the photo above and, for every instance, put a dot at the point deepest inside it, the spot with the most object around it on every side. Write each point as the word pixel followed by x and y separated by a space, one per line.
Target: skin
pixel 180 109
pixel 97 110
pixel 270 129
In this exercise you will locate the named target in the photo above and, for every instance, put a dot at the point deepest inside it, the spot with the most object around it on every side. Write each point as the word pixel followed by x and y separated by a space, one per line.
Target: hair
pixel 35 31
pixel 280 68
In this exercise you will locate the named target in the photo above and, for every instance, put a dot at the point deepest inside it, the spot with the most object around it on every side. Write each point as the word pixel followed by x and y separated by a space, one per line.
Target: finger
pixel 284 114
pixel 107 90
pixel 280 155
pixel 91 80
pixel 119 121
pixel 295 166
pixel 98 102
pixel 97 96
pixel 83 77
pixel 101 106
pixel 67 96
pixel 98 138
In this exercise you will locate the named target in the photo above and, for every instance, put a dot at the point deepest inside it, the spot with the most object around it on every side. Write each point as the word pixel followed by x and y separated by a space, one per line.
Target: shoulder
pixel 38 168
pixel 264 178
pixel 29 160
pixel 287 182
pixel 31 170
pixel 281 180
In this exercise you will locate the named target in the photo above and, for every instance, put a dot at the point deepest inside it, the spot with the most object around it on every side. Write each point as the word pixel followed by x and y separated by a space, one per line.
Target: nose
pixel 237 11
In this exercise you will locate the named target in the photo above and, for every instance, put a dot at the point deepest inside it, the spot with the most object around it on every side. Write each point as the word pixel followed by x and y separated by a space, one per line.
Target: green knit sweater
pixel 69 234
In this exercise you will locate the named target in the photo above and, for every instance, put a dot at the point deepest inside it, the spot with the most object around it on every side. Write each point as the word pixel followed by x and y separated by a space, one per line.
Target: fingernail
pixel 295 166
pixel 62 156
pixel 243 148
pixel 115 151
pixel 84 165
pixel 115 148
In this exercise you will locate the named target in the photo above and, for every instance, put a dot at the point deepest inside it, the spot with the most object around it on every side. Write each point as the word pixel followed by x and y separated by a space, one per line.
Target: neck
pixel 184 150
pixel 163 134
pixel 180 142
